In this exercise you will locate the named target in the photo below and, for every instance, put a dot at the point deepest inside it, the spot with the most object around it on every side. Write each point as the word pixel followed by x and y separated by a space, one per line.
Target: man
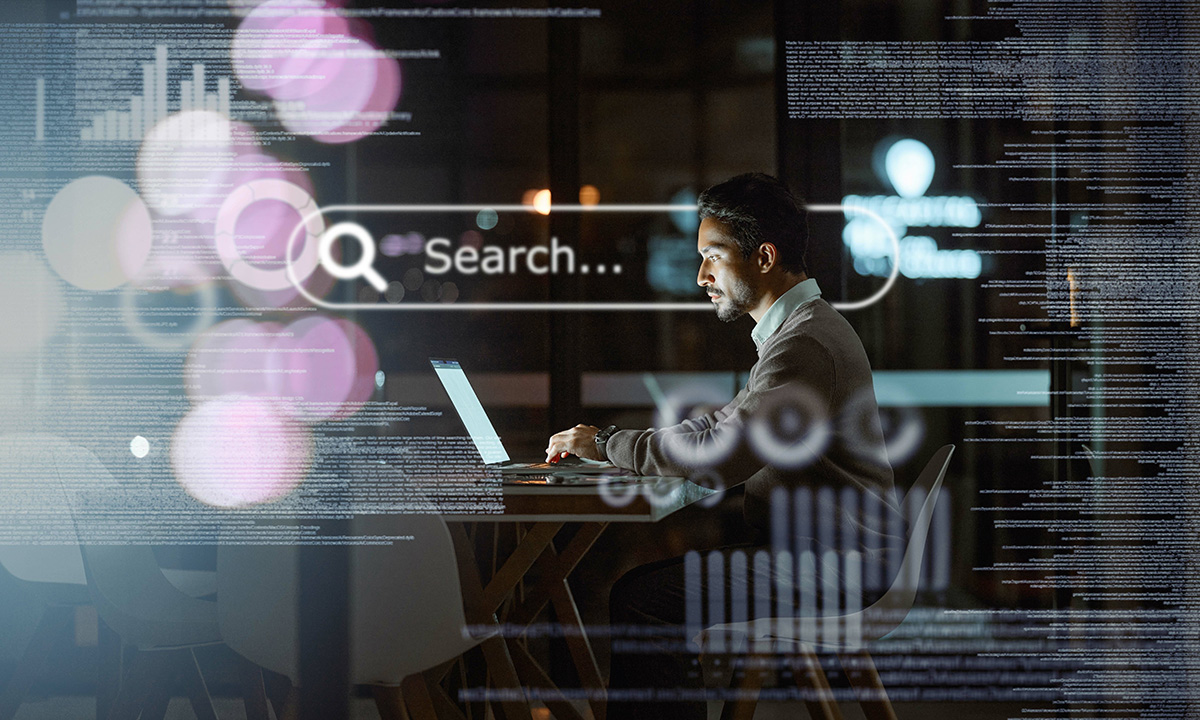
pixel 787 428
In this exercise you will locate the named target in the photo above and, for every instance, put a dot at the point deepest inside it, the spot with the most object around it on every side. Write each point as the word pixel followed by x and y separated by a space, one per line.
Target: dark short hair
pixel 757 209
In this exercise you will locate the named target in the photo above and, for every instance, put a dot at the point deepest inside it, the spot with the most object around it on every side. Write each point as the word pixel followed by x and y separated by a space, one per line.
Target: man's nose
pixel 703 277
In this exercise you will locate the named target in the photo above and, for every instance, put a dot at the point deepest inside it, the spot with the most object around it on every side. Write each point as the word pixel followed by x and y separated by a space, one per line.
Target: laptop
pixel 491 448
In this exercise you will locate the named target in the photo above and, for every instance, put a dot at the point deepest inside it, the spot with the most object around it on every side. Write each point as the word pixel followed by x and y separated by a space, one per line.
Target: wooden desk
pixel 541 512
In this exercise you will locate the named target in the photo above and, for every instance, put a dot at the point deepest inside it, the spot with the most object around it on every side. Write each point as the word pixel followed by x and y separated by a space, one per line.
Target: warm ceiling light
pixel 541 202
pixel 589 195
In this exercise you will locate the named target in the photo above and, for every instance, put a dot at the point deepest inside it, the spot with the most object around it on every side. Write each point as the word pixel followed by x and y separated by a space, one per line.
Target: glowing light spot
pixel 97 233
pixel 378 107
pixel 184 160
pixel 267 39
pixel 909 165
pixel 319 368
pixel 34 300
pixel 589 195
pixel 344 76
pixel 541 202
pixel 139 446
pixel 379 378
pixel 487 219
pixel 688 221
pixel 237 451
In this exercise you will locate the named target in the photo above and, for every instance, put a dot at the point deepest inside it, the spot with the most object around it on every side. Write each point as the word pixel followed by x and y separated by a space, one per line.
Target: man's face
pixel 727 277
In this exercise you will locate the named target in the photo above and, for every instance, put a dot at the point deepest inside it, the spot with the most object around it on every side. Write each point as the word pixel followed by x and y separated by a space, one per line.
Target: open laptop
pixel 483 433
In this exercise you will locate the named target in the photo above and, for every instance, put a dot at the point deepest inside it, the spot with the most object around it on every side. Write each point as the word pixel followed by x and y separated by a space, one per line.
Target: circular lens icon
pixel 363 268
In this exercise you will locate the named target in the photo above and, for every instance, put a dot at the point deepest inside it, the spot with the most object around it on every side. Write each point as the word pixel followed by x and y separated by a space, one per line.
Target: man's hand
pixel 579 440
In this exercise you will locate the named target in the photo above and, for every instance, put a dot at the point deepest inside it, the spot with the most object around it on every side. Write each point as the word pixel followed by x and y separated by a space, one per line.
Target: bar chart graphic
pixel 142 112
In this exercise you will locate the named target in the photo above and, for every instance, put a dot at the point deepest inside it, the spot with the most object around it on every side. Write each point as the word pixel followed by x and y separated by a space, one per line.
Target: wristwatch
pixel 602 440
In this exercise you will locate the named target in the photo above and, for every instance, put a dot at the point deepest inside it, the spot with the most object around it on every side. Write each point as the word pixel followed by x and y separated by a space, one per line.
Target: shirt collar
pixel 801 294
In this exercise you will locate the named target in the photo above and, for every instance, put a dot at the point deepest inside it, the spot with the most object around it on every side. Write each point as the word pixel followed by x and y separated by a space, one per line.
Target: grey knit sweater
pixel 813 363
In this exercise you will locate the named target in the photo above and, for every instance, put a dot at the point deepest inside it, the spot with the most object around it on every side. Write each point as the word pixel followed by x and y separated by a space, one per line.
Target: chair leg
pixel 146 672
pixel 417 699
pixel 872 697
pixel 110 651
pixel 254 692
pixel 53 625
pixel 742 706
pixel 500 665
pixel 155 707
pixel 811 676
pixel 278 688
pixel 390 702
pixel 197 690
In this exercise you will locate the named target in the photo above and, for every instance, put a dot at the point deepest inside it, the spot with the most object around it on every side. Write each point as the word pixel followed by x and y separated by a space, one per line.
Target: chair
pixel 407 618
pixel 52 574
pixel 847 635
pixel 57 574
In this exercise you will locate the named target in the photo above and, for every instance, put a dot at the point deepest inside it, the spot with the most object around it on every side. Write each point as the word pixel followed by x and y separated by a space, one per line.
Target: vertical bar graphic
pixel 912 508
pixel 802 511
pixel 716 599
pixel 137 117
pixel 223 96
pixel 829 596
pixel 39 110
pixel 872 512
pixel 692 622
pixel 849 514
pixel 122 126
pixel 853 590
pixel 149 97
pixel 762 595
pixel 941 543
pixel 895 545
pixel 779 520
pixel 826 518
pixel 807 580
pixel 739 591
pixel 198 86
pixel 785 590
pixel 110 124
pixel 160 82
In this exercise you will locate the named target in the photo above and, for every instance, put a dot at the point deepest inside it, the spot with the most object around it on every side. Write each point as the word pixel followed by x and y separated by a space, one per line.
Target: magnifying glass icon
pixel 362 268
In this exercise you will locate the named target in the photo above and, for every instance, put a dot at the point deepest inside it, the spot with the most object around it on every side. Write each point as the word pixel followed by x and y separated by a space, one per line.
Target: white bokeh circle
pixel 97 233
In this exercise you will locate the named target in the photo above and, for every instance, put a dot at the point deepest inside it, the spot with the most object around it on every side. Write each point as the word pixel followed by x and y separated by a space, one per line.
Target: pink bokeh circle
pixel 235 451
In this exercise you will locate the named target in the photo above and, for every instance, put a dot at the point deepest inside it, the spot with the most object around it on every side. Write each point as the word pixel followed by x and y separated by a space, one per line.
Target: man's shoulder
pixel 817 327
pixel 816 321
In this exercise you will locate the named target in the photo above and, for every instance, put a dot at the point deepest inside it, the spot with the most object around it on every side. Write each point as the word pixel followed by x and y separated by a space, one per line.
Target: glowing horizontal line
pixel 509 208
pixel 531 306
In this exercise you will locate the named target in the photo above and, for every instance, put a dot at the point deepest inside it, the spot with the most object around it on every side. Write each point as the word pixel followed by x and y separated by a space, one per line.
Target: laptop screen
pixel 466 402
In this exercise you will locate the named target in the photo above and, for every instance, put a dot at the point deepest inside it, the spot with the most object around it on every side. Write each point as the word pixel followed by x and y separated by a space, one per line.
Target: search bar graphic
pixel 364 267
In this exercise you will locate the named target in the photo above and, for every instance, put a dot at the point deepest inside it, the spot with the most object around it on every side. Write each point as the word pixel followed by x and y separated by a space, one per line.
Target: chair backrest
pixel 36 475
pixel 886 614
pixel 405 597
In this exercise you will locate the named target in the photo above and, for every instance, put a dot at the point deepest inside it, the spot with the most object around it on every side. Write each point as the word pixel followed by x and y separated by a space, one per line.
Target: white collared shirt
pixel 801 294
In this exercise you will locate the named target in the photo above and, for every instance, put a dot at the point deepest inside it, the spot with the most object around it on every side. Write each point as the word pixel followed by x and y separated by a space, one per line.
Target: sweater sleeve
pixel 715 449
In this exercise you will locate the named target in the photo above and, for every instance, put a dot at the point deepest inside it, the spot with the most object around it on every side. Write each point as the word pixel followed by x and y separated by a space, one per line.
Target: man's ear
pixel 768 257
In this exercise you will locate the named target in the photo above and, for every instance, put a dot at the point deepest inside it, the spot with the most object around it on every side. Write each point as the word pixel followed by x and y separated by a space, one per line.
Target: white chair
pixel 407 621
pixel 53 574
pixel 848 635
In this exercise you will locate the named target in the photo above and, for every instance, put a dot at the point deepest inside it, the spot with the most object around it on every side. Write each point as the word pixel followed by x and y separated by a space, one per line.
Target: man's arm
pixel 715 445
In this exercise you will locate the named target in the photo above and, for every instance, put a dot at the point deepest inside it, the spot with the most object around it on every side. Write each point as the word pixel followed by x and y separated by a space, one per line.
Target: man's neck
pixel 774 291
